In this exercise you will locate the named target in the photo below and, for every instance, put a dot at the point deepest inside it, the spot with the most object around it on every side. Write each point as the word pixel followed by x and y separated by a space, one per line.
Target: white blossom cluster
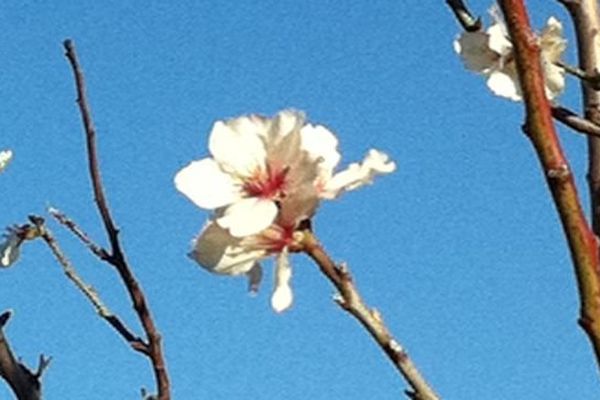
pixel 265 176
pixel 490 54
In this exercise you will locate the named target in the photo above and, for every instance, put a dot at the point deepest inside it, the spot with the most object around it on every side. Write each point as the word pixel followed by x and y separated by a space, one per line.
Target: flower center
pixel 268 184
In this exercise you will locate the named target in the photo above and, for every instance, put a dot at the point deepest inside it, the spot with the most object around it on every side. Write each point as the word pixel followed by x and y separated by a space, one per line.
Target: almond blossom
pixel 221 253
pixel 265 178
pixel 256 162
pixel 490 53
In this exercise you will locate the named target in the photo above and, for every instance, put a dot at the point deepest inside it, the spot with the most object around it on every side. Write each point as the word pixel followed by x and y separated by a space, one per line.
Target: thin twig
pixel 117 257
pixel 93 163
pixel 464 16
pixel 539 127
pixel 575 122
pixel 593 79
pixel 88 291
pixel 25 384
pixel 350 300
pixel 62 218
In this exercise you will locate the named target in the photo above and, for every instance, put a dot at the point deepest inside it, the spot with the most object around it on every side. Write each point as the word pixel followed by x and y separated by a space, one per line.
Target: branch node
pixel 560 173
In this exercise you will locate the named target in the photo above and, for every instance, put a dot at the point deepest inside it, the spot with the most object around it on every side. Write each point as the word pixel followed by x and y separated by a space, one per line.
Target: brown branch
pixel 575 122
pixel 25 384
pixel 98 251
pixel 350 300
pixel 539 127
pixel 117 258
pixel 89 292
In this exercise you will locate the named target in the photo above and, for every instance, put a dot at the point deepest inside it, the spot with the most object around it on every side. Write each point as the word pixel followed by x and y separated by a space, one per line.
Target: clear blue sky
pixel 460 249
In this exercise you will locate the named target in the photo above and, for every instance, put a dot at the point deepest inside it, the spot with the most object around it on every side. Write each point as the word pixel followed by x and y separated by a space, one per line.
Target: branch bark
pixel 25 383
pixel 587 25
pixel 575 122
pixel 350 300
pixel 117 257
pixel 582 242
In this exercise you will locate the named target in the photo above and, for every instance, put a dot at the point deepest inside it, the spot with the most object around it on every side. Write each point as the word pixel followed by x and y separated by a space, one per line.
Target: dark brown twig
pixel 25 384
pixel 464 16
pixel 350 300
pixel 117 258
pixel 575 122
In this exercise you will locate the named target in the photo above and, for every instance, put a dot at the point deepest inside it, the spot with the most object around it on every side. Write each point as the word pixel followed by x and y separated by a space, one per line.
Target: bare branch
pixel 79 233
pixel 586 21
pixel 575 122
pixel 117 258
pixel 350 300
pixel 88 291
pixel 582 241
pixel 90 135
pixel 25 384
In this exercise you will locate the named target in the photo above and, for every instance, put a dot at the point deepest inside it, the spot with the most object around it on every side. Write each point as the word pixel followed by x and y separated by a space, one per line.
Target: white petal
pixel 504 85
pixel 555 80
pixel 498 39
pixel 287 121
pixel 220 253
pixel 204 183
pixel 248 216
pixel 5 157
pixel 475 52
pixel 9 249
pixel 282 296
pixel 237 145
pixel 357 175
pixel 321 144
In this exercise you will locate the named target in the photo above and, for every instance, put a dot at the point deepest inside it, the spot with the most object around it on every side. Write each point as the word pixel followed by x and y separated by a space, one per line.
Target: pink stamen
pixel 269 184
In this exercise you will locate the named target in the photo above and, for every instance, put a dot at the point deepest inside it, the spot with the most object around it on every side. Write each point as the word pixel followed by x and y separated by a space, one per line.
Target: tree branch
pixel 98 251
pixel 539 127
pixel 350 300
pixel 575 122
pixel 88 291
pixel 587 25
pixel 25 384
pixel 117 257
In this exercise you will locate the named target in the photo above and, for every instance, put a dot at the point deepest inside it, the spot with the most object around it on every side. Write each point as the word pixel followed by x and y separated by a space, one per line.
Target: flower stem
pixel 351 301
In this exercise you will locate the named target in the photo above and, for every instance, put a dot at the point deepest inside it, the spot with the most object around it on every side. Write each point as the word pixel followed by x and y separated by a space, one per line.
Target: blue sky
pixel 460 249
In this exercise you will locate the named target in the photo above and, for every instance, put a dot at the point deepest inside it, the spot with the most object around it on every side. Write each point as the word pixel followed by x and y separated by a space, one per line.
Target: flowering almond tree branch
pixel 117 258
pixel 351 301
pixel 24 383
pixel 539 128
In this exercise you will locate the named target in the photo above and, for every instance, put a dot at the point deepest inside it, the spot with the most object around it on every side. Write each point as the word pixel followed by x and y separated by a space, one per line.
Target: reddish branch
pixel 24 383
pixel 351 301
pixel 540 129
pixel 116 257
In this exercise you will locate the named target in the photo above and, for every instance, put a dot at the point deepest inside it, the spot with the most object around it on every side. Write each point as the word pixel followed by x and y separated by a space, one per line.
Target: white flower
pixel 265 179
pixel 491 54
pixel 256 162
pixel 9 248
pixel 219 252
pixel 5 157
